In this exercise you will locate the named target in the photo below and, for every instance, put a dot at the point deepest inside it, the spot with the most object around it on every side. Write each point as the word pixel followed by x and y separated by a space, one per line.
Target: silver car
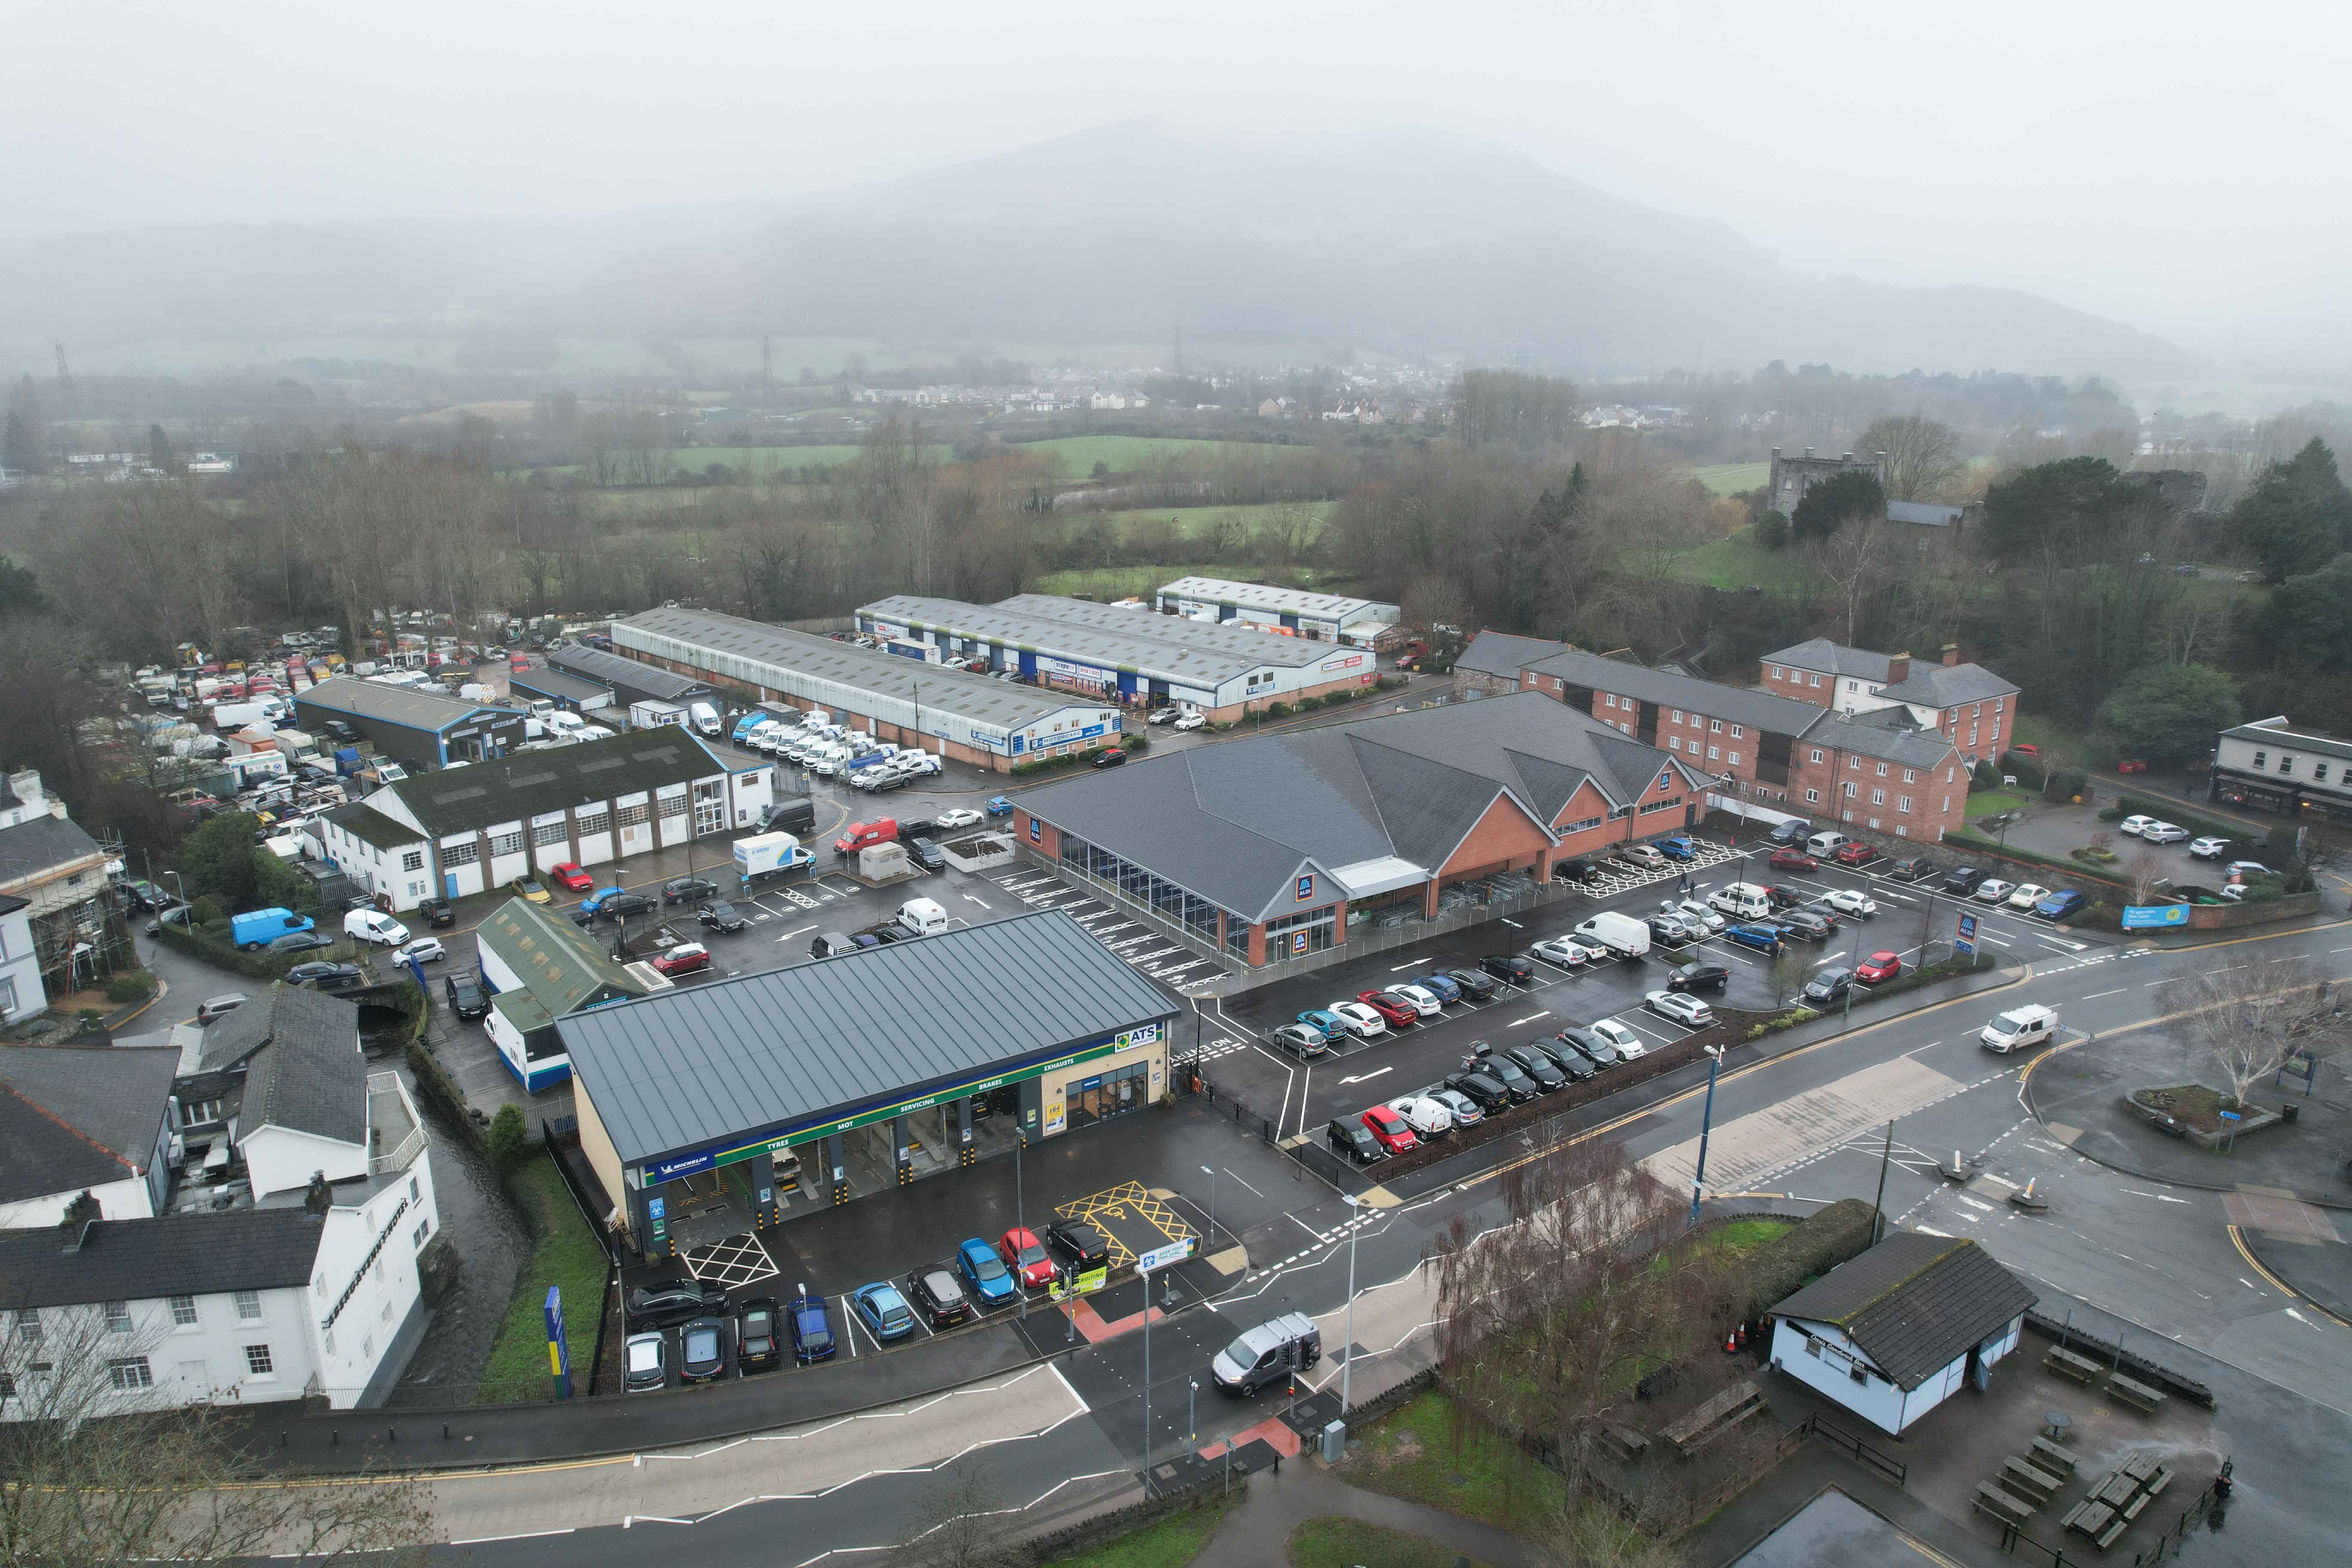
pixel 1681 1007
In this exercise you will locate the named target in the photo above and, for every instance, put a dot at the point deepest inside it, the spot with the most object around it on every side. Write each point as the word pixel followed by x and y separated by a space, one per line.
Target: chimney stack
pixel 1951 654
pixel 1898 669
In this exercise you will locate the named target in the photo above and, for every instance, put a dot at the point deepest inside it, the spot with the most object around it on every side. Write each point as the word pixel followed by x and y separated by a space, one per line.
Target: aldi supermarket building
pixel 742 1103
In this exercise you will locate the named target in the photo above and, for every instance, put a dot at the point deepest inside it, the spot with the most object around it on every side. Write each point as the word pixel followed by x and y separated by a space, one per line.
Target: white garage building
pixel 1297 612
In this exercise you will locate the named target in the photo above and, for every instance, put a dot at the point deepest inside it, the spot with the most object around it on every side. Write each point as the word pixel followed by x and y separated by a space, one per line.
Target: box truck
pixel 1621 934
pixel 769 855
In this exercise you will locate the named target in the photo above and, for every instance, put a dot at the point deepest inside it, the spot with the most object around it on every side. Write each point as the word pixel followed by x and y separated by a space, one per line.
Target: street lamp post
pixel 1147 1385
pixel 1706 1125
pixel 1348 1366
pixel 1211 1172
pixel 1020 1216
pixel 1191 1397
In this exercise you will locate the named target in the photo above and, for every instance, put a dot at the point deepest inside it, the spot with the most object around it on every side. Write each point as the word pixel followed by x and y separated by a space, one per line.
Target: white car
pixel 1993 890
pixel 1426 1115
pixel 2028 894
pixel 1692 909
pixel 1191 721
pixel 1851 901
pixel 1628 1044
pixel 2136 825
pixel 1681 1007
pixel 961 817
pixel 2237 870
pixel 2164 833
pixel 1361 1021
pixel 1420 998
pixel 1465 1109
pixel 424 949
pixel 2209 848
pixel 1560 950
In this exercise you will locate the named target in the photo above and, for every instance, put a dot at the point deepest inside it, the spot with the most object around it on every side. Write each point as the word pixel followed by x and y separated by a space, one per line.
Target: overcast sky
pixel 2181 166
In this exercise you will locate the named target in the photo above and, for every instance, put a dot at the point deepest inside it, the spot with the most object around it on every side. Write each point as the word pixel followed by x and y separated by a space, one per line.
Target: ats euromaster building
pixel 722 1108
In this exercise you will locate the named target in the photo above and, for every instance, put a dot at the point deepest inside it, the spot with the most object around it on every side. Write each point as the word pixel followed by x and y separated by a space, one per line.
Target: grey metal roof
pixel 560 965
pixel 681 1069
pixel 1232 822
pixel 79 1116
pixel 1281 600
pixel 1912 748
pixel 308 1075
pixel 1504 654
pixel 761 655
pixel 41 844
pixel 175 1255
pixel 525 785
pixel 1923 514
pixel 416 708
pixel 1166 647
pixel 1915 1303
pixel 559 683
pixel 625 674
pixel 1757 710
pixel 368 825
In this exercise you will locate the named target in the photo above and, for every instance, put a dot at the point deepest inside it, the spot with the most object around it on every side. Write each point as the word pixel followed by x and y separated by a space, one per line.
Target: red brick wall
pixel 1504 835
pixel 1049 838
pixel 1792 682
pixel 1937 795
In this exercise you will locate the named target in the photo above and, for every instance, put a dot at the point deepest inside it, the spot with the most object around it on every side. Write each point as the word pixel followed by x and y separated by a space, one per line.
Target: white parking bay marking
pixel 969 897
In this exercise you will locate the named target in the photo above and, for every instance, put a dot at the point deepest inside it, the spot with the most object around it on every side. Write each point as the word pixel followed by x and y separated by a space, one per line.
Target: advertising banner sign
pixel 2141 917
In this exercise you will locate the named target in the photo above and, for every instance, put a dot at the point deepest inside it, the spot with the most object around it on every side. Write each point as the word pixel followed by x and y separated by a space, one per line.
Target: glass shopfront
pixel 1105 1095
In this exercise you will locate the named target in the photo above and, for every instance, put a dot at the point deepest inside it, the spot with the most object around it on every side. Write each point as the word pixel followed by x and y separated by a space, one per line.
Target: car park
pixel 1851 901
pixel 1482 1087
pixel 1681 1007
pixel 1476 985
pixel 1699 977
pixel 1079 1247
pixel 1792 860
pixel 1674 847
pixel 2136 825
pixel 644 1362
pixel 1578 871
pixel 529 888
pixel 466 998
pixel 1910 868
pixel 1267 1354
pixel 2025 895
pixel 1191 721
pixel 1354 1140
pixel 1420 998
pixel 1781 896
pixel 2209 847
pixel 1394 1011
pixel 1427 1117
pixel 757 1321
pixel 1673 931
pixel 1963 879
pixel 617 902
pixel 722 916
pixel 1573 1064
pixel 328 976
pixel 2164 833
pixel 663 1303
pixel 1710 920
pixel 1764 939
pixel 1993 890
pixel 1509 966
pixel 1026 1256
pixel 1879 968
pixel 1465 1112
pixel 1595 1049
pixel 439 914
pixel 1162 716
pixel 1539 1067
pixel 1788 832
pixel 1628 1043
pixel 1560 950
pixel 1389 1130
pixel 811 1329
pixel 959 817
pixel 424 949
pixel 989 1282
pixel 884 1311
pixel 1504 1071
pixel 701 1351
pixel 926 853
pixel 686 958
pixel 1831 985
pixel 1364 1022
pixel 688 891
pixel 571 876
pixel 1441 986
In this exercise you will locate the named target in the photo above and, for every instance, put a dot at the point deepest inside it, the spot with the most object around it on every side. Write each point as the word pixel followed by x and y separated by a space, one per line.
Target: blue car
pixel 812 1331
pixel 1334 1027
pixel 2059 905
pixel 985 1272
pixel 1448 989
pixel 999 806
pixel 1677 847
pixel 1763 938
pixel 885 1311
pixel 595 901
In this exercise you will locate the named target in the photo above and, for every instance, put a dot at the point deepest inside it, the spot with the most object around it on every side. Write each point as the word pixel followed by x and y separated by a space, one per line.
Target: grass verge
pixel 1985 802
pixel 1169 1543
pixel 1730 478
pixel 1413 1453
pixel 1737 561
pixel 565 1255
pixel 1331 1542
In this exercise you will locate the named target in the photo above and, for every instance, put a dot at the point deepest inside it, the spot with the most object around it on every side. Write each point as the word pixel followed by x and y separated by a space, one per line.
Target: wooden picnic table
pixel 2067 1364
pixel 2049 1456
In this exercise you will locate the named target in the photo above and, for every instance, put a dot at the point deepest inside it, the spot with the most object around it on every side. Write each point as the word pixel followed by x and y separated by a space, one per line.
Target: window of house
pixel 456 855
pixel 1910 775
pixel 183 1312
pixel 2319 772
pixel 258 1360
pixel 1812 797
pixel 1903 804
pixel 1674 742
pixel 1816 753
pixel 1812 680
pixel 1882 770
pixel 589 819
pixel 2286 766
pixel 415 1191
pixel 413 860
pixel 1737 733
pixel 1733 759
pixel 1851 790
pixel 1878 797
pixel 1776 672
pixel 1977 712
pixel 1713 752
pixel 417 1236
pixel 1677 714
pixel 1854 762
pixel 248 1306
pixel 1714 725
pixel 545 833
pixel 128 1374
pixel 118 1317
pixel 507 843
pixel 2260 759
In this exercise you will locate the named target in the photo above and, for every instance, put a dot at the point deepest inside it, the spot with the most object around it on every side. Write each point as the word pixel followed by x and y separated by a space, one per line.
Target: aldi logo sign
pixel 1305 892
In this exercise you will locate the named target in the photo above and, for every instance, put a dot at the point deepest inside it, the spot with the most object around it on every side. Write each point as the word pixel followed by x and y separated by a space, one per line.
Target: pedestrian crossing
pixel 1124 935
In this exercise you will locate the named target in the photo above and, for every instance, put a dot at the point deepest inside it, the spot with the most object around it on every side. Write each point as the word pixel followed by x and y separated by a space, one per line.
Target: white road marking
pixel 1365 1077
pixel 795 932
pixel 976 899
pixel 1528 1019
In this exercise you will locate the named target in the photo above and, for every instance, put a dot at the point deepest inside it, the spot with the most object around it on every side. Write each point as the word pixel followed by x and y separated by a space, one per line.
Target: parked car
pixel 1539 1067
pixel 1763 939
pixel 300 941
pixel 1191 721
pixel 644 1362
pixel 1963 879
pixel 220 1007
pixel 1578 871
pixel 2164 833
pixel 722 916
pixel 1594 1048
pixel 686 958
pixel 439 914
pixel 1389 1130
pixel 1440 985
pixel 2135 825
pixel 1482 1087
pixel 688 891
pixel 1699 977
pixel 2027 895
pixel 529 888
pixel 1111 758
pixel 1363 1022
pixel 926 853
pixel 1675 846
pixel 1786 833
pixel 1332 1026
pixel 1781 896
pixel 1628 1043
pixel 1573 1064
pixel 466 998
pixel 1079 1247
pixel 1681 1007
pixel 1792 860
pixel 1910 868
pixel 1711 921
pixel 571 876
pixel 999 806
pixel 328 976
pixel 1879 968
pixel 1509 966
pixel 1267 1354
pixel 2209 848
pixel 373 926
pixel 1028 1259
pixel 2238 870
pixel 1394 1013
pixel 1504 1071
pixel 1560 950
pixel 1424 1002
pixel 1851 901
pixel 959 817
pixel 702 1350
pixel 1354 1140
pixel 2061 904
pixel 1644 856
pixel 1164 716
pixel 984 1272
pixel 885 1313
pixel 663 1303
pixel 1829 986
pixel 1465 1112
pixel 615 902
pixel 1672 929
pixel 1300 1039
pixel 1993 890
pixel 1477 986
pixel 1811 924
pixel 1854 852
pixel 1427 1116
pixel 424 949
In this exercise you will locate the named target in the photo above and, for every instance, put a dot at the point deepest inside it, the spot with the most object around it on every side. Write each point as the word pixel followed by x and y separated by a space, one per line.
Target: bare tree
pixel 1653 516
pixel 1923 455
pixel 1593 1536
pixel 2142 870
pixel 1857 560
pixel 962 1520
pixel 1787 973
pixel 2245 1020
pixel 94 1469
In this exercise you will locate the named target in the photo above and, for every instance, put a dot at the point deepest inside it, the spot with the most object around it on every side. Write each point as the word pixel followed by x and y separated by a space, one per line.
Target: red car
pixel 1856 853
pixel 572 877
pixel 1026 1256
pixel 1395 1012
pixel 684 958
pixel 1388 1128
pixel 1877 967
pixel 1794 860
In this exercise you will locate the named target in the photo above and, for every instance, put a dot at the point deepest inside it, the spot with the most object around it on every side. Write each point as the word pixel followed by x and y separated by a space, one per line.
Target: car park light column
pixel 1210 1172
pixel 1348 1352
pixel 1706 1125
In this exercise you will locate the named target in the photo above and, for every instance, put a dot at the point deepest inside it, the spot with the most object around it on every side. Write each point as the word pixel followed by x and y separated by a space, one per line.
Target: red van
pixel 858 835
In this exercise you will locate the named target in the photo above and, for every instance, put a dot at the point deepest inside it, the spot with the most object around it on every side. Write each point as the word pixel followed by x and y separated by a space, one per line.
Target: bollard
pixel 281 1439
pixel 444 1431
pixel 391 1434
pixel 335 1439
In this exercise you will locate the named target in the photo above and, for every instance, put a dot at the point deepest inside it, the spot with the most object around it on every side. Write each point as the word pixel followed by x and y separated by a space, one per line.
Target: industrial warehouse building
pixel 1125 653
pixel 1267 849
pixel 736 1104
pixel 629 681
pixel 539 967
pixel 467 830
pixel 1292 612
pixel 562 688
pixel 416 727
pixel 964 717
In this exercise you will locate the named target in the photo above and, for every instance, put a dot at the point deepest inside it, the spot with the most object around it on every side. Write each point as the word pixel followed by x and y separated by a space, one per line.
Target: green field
pixel 1108 583
pixel 1737 561
pixel 1124 454
pixel 1333 1542
pixel 1413 1453
pixel 1198 521
pixel 1730 478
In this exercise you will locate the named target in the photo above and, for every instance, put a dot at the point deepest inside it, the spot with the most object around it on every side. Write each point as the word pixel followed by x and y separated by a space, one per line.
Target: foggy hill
pixel 1390 240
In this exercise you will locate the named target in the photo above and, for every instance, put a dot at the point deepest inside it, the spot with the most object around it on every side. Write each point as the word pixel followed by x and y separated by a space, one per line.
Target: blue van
pixel 256 929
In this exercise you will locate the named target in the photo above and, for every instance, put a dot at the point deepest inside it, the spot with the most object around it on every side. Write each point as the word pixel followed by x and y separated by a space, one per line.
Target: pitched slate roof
pixel 1950 685
pixel 560 965
pixel 1915 1303
pixel 41 844
pixel 1233 823
pixel 1757 710
pixel 368 825
pixel 1923 514
pixel 1878 736
pixel 308 1075
pixel 418 708
pixel 1505 654
pixel 175 1255
pixel 525 785
pixel 1831 658
pixel 624 674
pixel 79 1116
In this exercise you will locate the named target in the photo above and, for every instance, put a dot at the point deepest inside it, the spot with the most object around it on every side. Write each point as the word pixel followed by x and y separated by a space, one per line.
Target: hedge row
pixel 1806 1250
pixel 1973 964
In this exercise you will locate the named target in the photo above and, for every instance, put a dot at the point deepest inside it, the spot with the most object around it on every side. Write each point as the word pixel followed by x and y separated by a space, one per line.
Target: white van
pixel 1621 934
pixel 1826 843
pixel 922 916
pixel 2020 1027
pixel 371 925
pixel 1740 901
pixel 563 721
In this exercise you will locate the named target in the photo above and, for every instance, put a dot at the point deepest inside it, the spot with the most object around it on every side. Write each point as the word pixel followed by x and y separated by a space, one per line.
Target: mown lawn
pixel 1985 802
pixel 1170 1544
pixel 1332 1542
pixel 1730 478
pixel 566 1256
pixel 1411 1453
pixel 1737 561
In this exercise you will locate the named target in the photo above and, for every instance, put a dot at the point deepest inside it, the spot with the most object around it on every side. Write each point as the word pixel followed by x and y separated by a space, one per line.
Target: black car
pixel 722 916
pixel 1963 879
pixel 1806 923
pixel 1575 871
pixel 467 997
pixel 665 1302
pixel 927 855
pixel 1781 896
pixel 301 942
pixel 1078 1247
pixel 917 828
pixel 1352 1140
pixel 758 1322
pixel 1830 985
pixel 1910 868
pixel 1476 985
pixel 582 916
pixel 1509 966
pixel 939 1296
pixel 1504 1071
pixel 1699 977
pixel 1789 832
pixel 1111 758
pixel 438 912
pixel 327 976
pixel 1589 1046
pixel 702 1349
pixel 1482 1087
pixel 616 905
pixel 1572 1062
pixel 1538 1066
pixel 685 890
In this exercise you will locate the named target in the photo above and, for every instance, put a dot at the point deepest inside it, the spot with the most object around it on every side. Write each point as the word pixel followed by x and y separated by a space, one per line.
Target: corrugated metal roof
pixel 1111 636
pixel 685 1069
pixel 417 707
pixel 558 683
pixel 1281 600
pixel 624 674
